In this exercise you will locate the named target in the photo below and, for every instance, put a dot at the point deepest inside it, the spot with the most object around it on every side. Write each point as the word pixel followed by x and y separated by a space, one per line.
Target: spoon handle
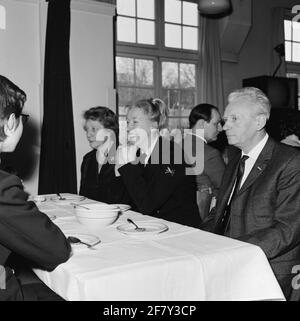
pixel 131 221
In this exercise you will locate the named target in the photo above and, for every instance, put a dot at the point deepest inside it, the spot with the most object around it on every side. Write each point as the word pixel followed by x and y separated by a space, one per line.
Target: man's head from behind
pixel 245 117
pixel 12 100
pixel 207 118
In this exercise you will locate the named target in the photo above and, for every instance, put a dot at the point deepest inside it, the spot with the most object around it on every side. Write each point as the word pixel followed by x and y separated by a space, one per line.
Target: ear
pixel 10 125
pixel 200 124
pixel 261 121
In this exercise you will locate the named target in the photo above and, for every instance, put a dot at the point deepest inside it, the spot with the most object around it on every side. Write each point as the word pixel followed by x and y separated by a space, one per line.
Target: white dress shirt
pixel 253 155
pixel 249 163
pixel 148 151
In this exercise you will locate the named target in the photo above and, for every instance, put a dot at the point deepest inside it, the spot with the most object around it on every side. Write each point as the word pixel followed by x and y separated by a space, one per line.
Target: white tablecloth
pixel 181 264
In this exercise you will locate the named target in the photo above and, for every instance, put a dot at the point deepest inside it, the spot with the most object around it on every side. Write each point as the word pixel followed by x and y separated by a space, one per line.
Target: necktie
pixel 141 157
pixel 224 223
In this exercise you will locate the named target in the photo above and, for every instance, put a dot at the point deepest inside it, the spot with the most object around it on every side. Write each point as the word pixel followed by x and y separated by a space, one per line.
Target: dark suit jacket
pixel 26 232
pixel 162 188
pixel 101 186
pixel 213 169
pixel 266 210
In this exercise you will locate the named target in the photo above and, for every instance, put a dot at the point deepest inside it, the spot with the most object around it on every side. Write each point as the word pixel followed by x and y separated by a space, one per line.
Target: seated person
pixel 98 180
pixel 24 230
pixel 157 184
pixel 284 126
pixel 205 126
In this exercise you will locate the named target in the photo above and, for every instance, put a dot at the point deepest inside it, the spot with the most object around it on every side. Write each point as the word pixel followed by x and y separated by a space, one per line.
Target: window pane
pixel 190 38
pixel 171 98
pixel 144 72
pixel 126 7
pixel 187 101
pixel 145 9
pixel 296 31
pixel 126 97
pixel 125 71
pixel 296 52
pixel 172 36
pixel 190 13
pixel 288 51
pixel 146 32
pixel 126 29
pixel 141 93
pixel 173 11
pixel 170 75
pixel 287 30
pixel 187 76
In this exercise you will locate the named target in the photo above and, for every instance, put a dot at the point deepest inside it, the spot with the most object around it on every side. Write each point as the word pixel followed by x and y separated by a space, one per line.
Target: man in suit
pixel 25 232
pixel 204 121
pixel 259 198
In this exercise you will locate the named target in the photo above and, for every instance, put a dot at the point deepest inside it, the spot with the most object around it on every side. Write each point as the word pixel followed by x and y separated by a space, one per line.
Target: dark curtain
pixel 57 160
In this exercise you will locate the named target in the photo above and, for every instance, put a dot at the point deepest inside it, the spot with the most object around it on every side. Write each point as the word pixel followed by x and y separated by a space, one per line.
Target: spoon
pixel 73 239
pixel 60 197
pixel 77 205
pixel 138 229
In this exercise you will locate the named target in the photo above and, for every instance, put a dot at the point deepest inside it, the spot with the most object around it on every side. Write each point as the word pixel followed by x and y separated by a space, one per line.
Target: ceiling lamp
pixel 211 7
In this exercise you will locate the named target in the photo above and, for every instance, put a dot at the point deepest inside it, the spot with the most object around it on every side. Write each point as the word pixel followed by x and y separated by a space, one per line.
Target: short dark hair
pixel 105 116
pixel 201 111
pixel 12 100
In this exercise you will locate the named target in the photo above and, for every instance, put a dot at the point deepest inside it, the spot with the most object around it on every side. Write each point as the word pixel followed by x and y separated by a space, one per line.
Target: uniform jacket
pixel 162 188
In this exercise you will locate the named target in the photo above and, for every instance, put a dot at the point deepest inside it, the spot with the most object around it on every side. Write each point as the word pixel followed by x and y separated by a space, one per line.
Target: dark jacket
pixel 266 210
pixel 162 188
pixel 27 232
pixel 101 186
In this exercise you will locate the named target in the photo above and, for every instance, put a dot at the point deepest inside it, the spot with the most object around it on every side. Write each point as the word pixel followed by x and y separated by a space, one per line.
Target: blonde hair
pixel 155 108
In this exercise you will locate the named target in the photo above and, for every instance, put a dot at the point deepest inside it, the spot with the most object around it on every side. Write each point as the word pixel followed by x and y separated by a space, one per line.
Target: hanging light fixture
pixel 211 7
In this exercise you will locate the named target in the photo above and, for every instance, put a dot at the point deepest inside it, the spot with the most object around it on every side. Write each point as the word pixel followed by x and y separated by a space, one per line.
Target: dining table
pixel 173 263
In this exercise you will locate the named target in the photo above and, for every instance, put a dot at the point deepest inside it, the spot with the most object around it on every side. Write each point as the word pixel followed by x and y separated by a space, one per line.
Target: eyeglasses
pixel 24 118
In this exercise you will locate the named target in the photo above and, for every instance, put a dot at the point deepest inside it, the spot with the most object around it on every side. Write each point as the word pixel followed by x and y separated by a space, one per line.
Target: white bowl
pixel 97 216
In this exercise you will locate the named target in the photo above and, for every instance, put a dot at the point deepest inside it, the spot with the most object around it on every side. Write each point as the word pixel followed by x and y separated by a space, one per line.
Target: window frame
pixel 292 67
pixel 160 53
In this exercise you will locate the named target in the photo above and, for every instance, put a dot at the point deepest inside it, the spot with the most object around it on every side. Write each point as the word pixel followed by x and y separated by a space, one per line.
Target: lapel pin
pixel 170 171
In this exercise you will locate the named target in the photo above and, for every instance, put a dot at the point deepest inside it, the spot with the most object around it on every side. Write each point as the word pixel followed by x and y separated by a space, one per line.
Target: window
pixel 2 18
pixel 136 21
pixel 157 55
pixel 292 40
pixel 292 51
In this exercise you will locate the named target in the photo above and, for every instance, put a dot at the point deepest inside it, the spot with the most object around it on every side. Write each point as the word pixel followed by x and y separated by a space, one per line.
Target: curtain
pixel 57 160
pixel 277 25
pixel 211 79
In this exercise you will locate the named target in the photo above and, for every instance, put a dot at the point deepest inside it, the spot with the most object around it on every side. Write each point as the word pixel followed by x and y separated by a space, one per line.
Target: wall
pixel 254 58
pixel 92 63
pixel 22 58
pixel 20 61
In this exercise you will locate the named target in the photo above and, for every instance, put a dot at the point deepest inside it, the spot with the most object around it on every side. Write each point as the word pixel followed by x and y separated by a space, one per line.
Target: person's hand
pixel 292 140
pixel 138 137
pixel 105 137
pixel 125 154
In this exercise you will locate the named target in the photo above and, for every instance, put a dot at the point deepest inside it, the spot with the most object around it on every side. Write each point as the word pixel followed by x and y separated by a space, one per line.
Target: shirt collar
pixel 256 150
pixel 154 138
